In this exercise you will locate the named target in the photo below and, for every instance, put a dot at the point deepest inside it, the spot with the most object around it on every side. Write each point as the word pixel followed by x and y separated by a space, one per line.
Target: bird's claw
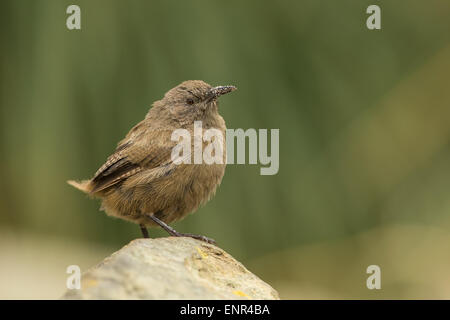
pixel 196 236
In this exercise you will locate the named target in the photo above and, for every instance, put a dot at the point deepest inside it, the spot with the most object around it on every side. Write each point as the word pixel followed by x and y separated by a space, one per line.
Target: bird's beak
pixel 220 90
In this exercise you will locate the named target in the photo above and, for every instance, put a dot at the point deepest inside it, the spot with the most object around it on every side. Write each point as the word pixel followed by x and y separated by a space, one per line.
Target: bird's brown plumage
pixel 140 178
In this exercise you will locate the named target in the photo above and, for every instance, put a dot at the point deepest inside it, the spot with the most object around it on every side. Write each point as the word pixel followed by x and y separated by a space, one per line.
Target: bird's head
pixel 193 100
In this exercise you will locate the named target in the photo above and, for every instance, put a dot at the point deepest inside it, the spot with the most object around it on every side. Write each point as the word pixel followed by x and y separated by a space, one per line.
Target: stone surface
pixel 170 268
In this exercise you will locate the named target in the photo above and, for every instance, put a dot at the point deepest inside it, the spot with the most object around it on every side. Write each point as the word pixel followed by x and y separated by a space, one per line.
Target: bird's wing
pixel 134 154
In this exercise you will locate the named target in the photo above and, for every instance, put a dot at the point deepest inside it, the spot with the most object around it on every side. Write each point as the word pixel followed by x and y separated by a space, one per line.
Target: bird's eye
pixel 190 101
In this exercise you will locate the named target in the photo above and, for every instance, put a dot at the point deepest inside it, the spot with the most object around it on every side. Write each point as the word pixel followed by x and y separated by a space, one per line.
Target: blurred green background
pixel 364 119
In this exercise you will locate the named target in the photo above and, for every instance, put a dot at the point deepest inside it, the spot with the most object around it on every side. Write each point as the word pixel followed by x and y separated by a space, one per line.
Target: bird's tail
pixel 84 185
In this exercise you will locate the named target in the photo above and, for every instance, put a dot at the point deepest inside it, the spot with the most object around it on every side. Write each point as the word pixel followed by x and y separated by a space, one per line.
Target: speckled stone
pixel 170 268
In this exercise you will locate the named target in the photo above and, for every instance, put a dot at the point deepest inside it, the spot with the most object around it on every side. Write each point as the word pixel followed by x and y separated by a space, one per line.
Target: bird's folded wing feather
pixel 133 154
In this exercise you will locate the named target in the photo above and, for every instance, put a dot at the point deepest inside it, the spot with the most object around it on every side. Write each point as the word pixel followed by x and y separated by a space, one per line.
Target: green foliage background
pixel 364 118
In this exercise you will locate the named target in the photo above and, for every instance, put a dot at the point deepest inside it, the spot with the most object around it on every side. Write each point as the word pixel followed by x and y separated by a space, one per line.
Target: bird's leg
pixel 175 233
pixel 144 231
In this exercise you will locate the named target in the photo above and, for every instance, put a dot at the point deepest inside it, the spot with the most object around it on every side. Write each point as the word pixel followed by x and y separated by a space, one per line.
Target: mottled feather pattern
pixel 140 178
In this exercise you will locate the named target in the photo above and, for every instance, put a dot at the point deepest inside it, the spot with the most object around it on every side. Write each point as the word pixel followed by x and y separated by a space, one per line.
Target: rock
pixel 170 268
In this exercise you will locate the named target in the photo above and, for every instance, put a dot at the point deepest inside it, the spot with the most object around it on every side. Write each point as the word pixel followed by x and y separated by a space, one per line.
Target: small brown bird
pixel 141 183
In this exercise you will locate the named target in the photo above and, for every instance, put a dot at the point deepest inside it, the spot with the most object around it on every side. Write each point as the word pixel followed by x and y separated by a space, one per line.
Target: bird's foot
pixel 195 236
pixel 144 231
pixel 175 233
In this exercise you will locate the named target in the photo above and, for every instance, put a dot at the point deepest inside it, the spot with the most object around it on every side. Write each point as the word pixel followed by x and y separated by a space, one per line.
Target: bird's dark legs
pixel 175 233
pixel 144 231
